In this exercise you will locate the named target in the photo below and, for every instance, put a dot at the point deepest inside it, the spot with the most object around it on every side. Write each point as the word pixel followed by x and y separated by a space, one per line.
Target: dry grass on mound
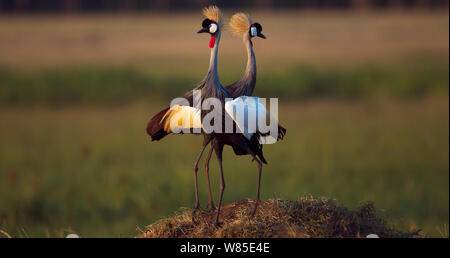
pixel 305 218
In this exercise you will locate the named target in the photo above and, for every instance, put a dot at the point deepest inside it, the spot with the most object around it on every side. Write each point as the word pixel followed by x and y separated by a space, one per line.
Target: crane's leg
pixel 197 202
pixel 259 166
pixel 208 158
pixel 218 148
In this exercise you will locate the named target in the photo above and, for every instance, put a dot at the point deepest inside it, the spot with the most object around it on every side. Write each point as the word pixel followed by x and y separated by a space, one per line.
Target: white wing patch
pixel 247 112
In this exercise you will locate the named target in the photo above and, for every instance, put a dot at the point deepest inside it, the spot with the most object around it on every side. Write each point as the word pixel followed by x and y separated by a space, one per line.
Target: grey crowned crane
pixel 159 126
pixel 241 25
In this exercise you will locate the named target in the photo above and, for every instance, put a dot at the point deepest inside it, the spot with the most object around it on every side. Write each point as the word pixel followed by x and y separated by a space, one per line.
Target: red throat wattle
pixel 212 41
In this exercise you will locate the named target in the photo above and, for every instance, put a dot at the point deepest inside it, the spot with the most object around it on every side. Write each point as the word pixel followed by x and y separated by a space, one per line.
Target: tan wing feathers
pixel 181 117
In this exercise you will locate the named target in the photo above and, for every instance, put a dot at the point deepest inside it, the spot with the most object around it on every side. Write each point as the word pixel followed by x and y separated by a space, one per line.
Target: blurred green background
pixel 363 94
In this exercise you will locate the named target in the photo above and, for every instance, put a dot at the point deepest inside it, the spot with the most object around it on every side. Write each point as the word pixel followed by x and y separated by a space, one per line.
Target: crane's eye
pixel 213 28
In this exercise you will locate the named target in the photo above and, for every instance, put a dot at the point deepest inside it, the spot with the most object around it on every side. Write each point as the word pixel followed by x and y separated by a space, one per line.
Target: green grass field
pixel 364 98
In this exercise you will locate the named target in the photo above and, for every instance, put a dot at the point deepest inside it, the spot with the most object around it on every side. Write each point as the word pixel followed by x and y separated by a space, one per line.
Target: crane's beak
pixel 261 35
pixel 203 30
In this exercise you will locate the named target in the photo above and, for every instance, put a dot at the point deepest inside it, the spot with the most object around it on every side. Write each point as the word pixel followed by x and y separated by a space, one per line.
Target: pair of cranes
pixel 162 124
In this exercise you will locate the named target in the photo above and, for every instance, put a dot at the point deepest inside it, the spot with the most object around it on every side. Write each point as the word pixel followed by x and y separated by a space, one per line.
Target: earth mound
pixel 304 218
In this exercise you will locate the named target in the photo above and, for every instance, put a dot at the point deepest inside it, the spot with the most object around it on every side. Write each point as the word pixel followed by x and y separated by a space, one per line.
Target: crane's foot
pixel 218 224
pixel 211 207
pixel 197 208
pixel 252 214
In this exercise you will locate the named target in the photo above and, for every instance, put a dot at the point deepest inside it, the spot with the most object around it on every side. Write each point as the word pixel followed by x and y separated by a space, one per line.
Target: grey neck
pixel 250 70
pixel 211 86
pixel 212 71
pixel 246 84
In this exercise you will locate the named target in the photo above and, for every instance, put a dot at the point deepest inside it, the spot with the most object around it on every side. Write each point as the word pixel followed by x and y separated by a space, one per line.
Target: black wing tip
pixel 281 132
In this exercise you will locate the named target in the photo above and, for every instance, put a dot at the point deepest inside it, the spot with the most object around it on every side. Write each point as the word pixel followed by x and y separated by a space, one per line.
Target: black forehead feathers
pixel 206 23
pixel 258 26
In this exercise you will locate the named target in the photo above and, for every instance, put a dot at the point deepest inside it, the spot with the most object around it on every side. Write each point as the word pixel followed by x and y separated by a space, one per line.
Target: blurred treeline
pixel 132 5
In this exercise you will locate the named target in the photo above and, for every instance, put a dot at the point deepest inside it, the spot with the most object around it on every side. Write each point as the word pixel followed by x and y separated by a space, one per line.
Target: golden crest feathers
pixel 213 13
pixel 240 23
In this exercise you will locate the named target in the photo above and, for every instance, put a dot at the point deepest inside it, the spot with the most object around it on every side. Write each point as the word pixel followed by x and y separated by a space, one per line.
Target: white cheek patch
pixel 254 31
pixel 213 28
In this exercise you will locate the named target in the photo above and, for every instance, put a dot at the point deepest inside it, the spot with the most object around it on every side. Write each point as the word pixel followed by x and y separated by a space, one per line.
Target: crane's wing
pixel 247 112
pixel 180 119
